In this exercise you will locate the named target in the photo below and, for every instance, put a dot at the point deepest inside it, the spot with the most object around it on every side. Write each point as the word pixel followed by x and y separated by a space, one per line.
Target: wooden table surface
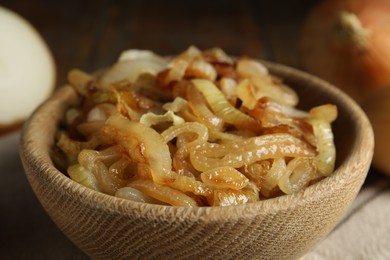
pixel 90 35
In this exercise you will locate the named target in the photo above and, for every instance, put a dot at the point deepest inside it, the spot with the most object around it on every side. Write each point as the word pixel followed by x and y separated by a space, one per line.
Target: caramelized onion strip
pixel 298 174
pixel 221 106
pixel 224 177
pixel 208 156
pixel 163 193
pixel 198 105
pixel 96 162
pixel 144 142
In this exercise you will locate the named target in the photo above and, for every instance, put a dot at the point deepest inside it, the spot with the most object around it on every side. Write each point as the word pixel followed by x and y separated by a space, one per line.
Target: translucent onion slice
pixel 326 149
pixel 136 54
pixel 256 172
pixel 81 175
pixel 96 118
pixel 249 68
pixel 176 72
pixel 272 114
pixel 271 179
pixel 177 105
pixel 135 195
pixel 184 141
pixel 208 156
pixel 122 168
pixel 183 166
pixel 252 192
pixel 228 87
pixel 224 178
pixel 190 184
pixel 146 84
pixel 326 112
pixel 264 86
pixel 143 141
pixel 72 147
pixel 130 70
pixel 189 127
pixel 274 107
pixel 179 65
pixel 219 55
pixel 226 137
pixel 228 197
pixel 163 193
pixel 198 105
pixel 201 69
pixel 95 162
pixel 244 91
pixel 101 112
pixel 80 81
pixel 298 173
pixel 221 106
pixel 322 117
pixel 151 118
pixel 89 129
pixel 180 182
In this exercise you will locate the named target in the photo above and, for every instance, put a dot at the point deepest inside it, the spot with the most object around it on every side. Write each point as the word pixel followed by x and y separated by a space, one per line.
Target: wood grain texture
pixel 286 227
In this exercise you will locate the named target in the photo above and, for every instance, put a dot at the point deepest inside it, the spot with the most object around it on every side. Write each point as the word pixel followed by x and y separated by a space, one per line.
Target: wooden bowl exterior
pixel 286 227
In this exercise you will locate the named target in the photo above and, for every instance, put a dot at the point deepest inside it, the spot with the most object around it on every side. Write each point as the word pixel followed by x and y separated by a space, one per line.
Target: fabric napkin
pixel 364 232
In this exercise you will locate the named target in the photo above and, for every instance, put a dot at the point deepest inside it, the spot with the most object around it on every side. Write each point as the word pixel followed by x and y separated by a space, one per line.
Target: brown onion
pixel 348 44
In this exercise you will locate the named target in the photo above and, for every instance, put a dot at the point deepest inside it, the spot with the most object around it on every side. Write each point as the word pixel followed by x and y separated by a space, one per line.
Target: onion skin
pixel 348 44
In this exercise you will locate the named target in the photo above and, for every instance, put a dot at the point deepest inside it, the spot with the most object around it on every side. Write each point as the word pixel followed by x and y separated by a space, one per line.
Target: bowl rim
pixel 362 147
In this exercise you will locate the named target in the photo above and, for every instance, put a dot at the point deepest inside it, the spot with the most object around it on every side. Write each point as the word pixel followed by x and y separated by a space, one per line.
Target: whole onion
pixel 348 44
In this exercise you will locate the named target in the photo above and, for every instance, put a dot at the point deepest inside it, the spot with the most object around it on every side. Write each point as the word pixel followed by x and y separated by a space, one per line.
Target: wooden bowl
pixel 286 227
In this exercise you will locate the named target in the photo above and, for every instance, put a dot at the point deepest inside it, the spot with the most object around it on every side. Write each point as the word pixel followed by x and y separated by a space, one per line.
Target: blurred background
pixel 90 35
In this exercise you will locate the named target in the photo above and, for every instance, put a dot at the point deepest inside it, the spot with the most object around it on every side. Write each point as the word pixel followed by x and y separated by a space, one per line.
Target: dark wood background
pixel 91 34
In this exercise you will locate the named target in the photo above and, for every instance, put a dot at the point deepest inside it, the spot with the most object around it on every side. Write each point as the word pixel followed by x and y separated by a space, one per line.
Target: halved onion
pixel 27 70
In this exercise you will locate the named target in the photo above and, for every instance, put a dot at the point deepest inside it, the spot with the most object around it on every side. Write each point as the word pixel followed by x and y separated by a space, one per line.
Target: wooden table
pixel 90 35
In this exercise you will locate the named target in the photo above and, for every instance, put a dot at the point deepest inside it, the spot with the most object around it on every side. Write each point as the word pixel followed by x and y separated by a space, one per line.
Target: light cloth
pixel 364 232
